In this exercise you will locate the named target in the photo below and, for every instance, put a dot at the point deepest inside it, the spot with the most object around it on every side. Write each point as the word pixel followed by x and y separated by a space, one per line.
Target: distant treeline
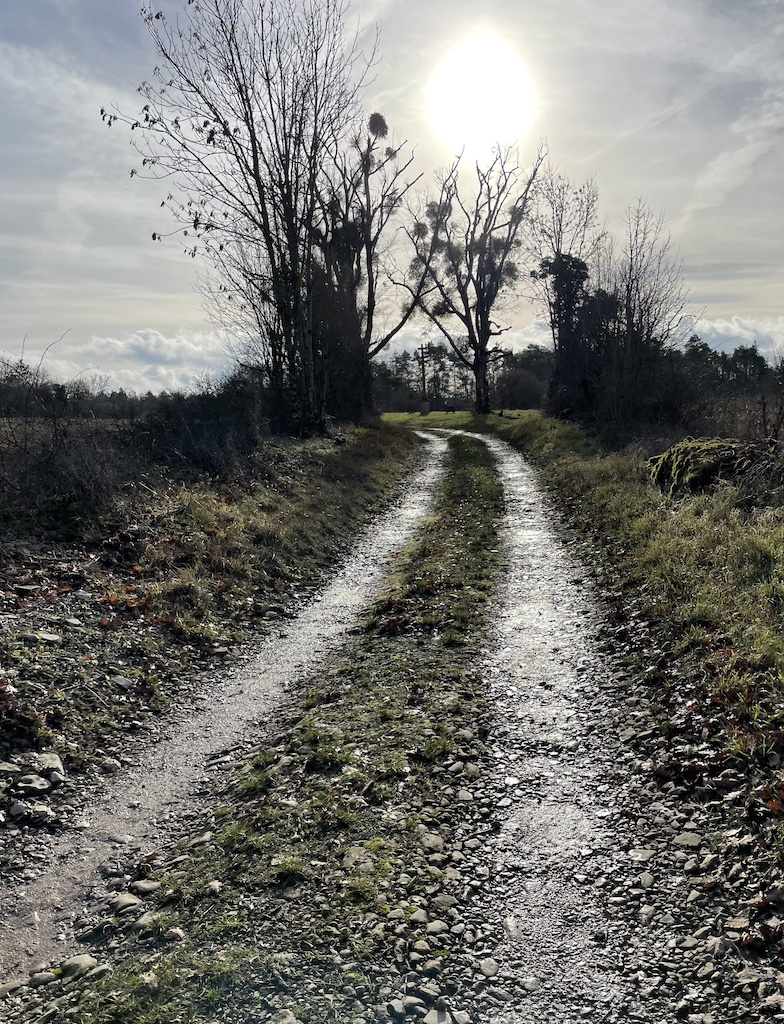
pixel 72 446
pixel 691 389
pixel 402 381
pixel 698 387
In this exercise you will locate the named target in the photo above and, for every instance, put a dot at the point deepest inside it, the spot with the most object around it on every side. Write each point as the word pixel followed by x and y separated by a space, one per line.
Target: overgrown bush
pixel 60 461
pixel 209 431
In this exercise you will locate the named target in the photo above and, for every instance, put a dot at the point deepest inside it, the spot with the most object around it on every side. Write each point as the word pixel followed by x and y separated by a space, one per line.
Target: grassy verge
pixel 335 834
pixel 102 631
pixel 706 570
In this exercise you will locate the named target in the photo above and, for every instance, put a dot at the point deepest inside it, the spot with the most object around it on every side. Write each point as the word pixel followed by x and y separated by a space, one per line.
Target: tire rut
pixel 600 878
pixel 141 808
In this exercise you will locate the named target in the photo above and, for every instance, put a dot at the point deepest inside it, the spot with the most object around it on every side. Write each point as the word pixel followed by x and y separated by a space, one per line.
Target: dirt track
pixel 607 896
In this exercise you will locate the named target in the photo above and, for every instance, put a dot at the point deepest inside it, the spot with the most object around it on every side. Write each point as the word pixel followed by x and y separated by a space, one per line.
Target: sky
pixel 678 102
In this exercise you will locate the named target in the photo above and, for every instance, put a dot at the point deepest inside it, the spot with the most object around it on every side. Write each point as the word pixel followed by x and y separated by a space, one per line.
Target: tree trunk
pixel 367 388
pixel 482 391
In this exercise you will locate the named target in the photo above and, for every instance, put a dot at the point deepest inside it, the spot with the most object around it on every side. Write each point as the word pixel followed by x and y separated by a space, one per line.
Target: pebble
pixel 39 978
pixel 488 967
pixel 432 842
pixel 437 927
pixel 144 887
pixel 146 922
pixel 124 903
pixel 437 1017
pixel 642 856
pixel 32 784
pixel 688 839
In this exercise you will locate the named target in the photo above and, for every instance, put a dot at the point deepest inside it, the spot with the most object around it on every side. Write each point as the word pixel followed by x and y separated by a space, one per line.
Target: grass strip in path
pixel 321 885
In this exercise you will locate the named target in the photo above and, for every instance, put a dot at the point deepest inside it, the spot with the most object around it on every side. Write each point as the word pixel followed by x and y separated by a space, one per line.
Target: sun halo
pixel 480 95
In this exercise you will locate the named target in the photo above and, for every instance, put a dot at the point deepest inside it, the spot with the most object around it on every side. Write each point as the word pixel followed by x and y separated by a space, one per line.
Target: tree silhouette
pixel 247 114
pixel 466 266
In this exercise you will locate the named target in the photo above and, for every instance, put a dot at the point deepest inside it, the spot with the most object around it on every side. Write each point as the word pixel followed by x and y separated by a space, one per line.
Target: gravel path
pixel 133 808
pixel 578 884
pixel 615 896
pixel 544 674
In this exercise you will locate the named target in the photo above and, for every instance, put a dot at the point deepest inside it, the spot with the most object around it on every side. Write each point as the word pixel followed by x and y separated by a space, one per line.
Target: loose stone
pixel 488 967
pixel 688 839
pixel 42 978
pixel 76 965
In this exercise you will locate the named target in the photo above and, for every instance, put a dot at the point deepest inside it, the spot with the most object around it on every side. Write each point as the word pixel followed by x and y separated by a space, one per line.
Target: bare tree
pixel 250 102
pixel 367 190
pixel 615 320
pixel 564 241
pixel 466 266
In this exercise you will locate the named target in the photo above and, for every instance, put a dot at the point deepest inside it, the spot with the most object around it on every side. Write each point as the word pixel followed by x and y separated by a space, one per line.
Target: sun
pixel 479 95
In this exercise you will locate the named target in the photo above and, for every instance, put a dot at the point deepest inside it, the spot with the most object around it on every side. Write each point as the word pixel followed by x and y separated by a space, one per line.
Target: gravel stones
pixel 595 859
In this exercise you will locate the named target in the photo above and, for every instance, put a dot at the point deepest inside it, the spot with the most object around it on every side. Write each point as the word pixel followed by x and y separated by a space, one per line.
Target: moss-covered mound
pixel 756 468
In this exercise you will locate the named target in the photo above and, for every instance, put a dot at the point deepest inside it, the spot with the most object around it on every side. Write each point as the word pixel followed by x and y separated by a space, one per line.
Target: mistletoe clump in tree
pixel 468 244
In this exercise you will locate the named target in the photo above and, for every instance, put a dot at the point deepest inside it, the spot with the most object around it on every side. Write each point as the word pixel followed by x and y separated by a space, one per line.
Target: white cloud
pixel 726 334
pixel 727 172
pixel 142 361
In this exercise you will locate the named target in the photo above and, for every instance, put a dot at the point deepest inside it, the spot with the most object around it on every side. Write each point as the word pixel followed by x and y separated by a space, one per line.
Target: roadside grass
pixel 706 569
pixel 318 837
pixel 224 549
pixel 174 574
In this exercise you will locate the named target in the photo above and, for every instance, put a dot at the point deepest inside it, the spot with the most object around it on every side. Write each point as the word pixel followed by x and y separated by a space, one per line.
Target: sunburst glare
pixel 480 94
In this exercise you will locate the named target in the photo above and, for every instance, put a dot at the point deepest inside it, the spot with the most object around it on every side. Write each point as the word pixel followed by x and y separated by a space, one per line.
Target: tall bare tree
pixel 250 102
pixel 651 315
pixel 468 245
